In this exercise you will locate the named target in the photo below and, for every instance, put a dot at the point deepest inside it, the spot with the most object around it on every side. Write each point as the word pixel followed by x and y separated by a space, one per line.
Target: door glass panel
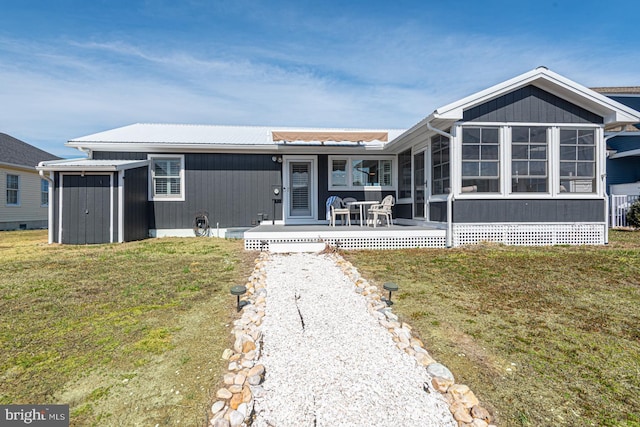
pixel 300 201
pixel 418 180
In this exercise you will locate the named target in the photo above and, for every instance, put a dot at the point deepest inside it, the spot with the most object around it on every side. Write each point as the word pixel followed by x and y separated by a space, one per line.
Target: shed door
pixel 86 209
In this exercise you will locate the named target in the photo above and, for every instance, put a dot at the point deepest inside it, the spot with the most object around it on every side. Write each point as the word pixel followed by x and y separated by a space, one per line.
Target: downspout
pixel 450 195
pixel 603 177
pixel 50 207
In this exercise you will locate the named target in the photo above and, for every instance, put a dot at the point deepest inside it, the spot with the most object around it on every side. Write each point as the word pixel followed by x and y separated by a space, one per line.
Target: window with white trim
pixel 404 175
pixel 167 177
pixel 440 161
pixel 44 192
pixel 480 160
pixel 13 190
pixel 357 172
pixel 529 157
pixel 577 160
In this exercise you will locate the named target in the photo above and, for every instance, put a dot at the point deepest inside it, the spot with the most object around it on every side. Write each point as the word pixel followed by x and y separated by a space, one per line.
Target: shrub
pixel 633 214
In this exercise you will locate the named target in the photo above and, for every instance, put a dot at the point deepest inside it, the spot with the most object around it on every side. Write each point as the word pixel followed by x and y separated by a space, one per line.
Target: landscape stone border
pixel 234 402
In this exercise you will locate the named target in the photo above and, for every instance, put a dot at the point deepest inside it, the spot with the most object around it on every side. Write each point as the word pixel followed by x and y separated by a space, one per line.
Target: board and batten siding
pixel 234 189
pixel 136 216
pixel 528 211
pixel 532 105
pixel 29 211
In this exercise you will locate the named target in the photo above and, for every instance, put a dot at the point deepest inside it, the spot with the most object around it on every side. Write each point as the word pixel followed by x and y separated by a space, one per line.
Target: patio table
pixel 361 205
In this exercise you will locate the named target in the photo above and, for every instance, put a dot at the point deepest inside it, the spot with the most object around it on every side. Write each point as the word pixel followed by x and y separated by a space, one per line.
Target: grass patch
pixel 116 330
pixel 544 336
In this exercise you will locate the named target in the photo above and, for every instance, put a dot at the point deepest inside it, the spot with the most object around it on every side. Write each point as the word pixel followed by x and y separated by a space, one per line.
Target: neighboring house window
pixel 529 170
pixel 577 160
pixel 440 161
pixel 44 192
pixel 167 177
pixel 480 160
pixel 404 175
pixel 13 190
pixel 348 172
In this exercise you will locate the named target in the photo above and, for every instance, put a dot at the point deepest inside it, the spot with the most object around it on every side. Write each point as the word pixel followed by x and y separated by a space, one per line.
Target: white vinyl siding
pixel 29 208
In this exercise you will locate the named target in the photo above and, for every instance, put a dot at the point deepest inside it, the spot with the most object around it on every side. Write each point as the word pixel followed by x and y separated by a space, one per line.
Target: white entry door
pixel 300 189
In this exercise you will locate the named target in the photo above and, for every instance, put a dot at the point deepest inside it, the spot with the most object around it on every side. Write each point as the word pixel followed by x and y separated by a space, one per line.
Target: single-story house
pixel 25 195
pixel 522 162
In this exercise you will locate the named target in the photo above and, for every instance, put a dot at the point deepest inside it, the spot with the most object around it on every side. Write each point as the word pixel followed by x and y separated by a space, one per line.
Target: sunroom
pixel 522 162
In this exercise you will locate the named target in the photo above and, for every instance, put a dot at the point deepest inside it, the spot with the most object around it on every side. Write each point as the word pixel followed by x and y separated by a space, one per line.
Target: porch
pixel 312 238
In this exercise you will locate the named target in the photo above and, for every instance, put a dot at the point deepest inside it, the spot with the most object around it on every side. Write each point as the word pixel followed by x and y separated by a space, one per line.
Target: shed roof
pixel 19 153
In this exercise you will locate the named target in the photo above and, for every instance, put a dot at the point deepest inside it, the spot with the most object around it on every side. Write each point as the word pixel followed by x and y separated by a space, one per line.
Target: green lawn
pixel 545 336
pixel 125 333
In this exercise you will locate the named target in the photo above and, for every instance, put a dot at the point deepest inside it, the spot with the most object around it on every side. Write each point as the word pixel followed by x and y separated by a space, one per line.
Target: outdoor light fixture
pixel 276 159
pixel 238 290
pixel 391 287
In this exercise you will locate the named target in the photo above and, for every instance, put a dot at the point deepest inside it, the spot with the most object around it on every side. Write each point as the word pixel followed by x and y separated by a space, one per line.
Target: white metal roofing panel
pixel 89 164
pixel 149 133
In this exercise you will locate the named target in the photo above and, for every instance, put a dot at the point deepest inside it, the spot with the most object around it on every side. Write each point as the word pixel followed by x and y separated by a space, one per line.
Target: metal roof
pixel 91 165
pixel 155 133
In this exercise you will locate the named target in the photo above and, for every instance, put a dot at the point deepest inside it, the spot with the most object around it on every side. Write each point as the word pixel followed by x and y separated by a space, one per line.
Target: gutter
pixel 450 195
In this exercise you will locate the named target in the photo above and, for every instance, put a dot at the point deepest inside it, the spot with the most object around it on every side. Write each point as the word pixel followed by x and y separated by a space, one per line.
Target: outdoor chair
pixel 382 209
pixel 338 208
pixel 353 209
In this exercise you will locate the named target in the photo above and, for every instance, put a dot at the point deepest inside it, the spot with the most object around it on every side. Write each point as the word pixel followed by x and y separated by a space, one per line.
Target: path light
pixel 391 287
pixel 238 290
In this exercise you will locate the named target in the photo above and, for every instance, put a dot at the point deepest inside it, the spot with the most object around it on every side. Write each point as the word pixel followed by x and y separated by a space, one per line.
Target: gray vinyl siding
pixel 534 211
pixel 136 217
pixel 110 155
pixel 233 188
pixel 530 104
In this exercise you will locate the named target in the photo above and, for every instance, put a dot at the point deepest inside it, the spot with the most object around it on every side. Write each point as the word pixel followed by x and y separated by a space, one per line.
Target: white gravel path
pixel 328 361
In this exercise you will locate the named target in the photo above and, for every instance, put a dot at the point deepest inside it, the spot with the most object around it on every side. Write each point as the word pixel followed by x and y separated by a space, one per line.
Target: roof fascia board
pixel 628 153
pixel 16 166
pixel 64 166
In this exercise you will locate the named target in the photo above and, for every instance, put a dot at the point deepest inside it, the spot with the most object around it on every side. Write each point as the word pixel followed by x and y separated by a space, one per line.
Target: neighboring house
pixel 25 195
pixel 522 162
pixel 623 148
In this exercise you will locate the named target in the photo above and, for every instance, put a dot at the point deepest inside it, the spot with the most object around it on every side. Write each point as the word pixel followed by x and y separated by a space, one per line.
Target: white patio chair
pixel 353 209
pixel 338 208
pixel 382 209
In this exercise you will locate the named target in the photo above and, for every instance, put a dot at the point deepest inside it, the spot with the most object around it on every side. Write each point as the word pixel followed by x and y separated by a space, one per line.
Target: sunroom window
pixel 480 160
pixel 440 159
pixel 529 171
pixel 167 178
pixel 577 160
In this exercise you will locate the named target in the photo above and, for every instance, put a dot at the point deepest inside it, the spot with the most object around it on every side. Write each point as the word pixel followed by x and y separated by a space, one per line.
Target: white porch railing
pixel 618 209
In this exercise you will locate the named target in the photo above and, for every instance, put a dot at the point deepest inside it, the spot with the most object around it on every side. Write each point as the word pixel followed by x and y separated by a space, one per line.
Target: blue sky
pixel 73 68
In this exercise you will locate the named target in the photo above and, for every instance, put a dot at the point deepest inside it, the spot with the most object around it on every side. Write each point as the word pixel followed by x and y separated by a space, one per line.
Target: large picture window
pixel 440 160
pixel 352 172
pixel 13 190
pixel 480 160
pixel 577 161
pixel 167 177
pixel 529 166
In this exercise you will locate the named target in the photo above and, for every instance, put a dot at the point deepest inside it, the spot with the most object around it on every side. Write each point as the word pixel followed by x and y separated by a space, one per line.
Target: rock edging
pixel 463 403
pixel 235 402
